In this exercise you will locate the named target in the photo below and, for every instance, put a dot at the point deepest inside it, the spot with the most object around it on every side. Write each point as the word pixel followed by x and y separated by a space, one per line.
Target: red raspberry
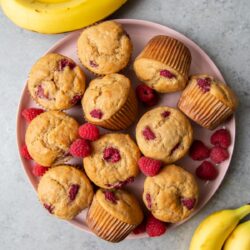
pixel 199 151
pixel 25 153
pixel 146 95
pixel 189 203
pixel 40 93
pixel 110 196
pixel 207 171
pixel 49 208
pixel 30 113
pixel 221 138
pixel 141 228
pixel 148 133
pixel 218 154
pixel 80 148
pixel 64 63
pixel 155 227
pixel 73 191
pixel 204 84
pixel 96 113
pixel 75 99
pixel 167 74
pixel 111 154
pixel 149 166
pixel 39 170
pixel 149 201
pixel 89 132
pixel 165 114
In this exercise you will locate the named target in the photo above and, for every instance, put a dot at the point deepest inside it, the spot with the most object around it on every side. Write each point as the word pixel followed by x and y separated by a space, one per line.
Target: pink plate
pixel 140 33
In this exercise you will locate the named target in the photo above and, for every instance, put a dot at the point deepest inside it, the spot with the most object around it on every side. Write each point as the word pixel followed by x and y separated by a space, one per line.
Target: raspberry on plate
pixel 221 138
pixel 89 132
pixel 80 148
pixel 199 151
pixel 155 227
pixel 146 95
pixel 207 171
pixel 39 170
pixel 30 113
pixel 149 166
pixel 25 153
pixel 218 154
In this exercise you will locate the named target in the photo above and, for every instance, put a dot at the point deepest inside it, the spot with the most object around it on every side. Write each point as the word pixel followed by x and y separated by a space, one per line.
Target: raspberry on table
pixel 148 133
pixel 25 153
pixel 189 203
pixel 73 191
pixel 149 166
pixel 207 171
pixel 155 227
pixel 30 113
pixel 89 132
pixel 39 170
pixel 219 154
pixel 80 148
pixel 221 138
pixel 199 151
pixel 146 95
pixel 141 228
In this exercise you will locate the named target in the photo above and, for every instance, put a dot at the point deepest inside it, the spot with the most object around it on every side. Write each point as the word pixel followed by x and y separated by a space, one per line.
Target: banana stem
pixel 243 211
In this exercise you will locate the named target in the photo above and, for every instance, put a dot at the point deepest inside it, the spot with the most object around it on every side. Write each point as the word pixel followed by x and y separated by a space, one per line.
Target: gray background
pixel 220 27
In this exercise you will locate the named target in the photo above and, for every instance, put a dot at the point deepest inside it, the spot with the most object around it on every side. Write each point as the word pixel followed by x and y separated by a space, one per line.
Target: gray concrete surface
pixel 220 27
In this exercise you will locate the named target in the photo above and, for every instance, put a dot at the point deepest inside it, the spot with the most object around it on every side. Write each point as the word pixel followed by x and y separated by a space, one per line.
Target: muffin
pixel 65 191
pixel 49 136
pixel 114 214
pixel 104 48
pixel 172 195
pixel 56 82
pixel 113 162
pixel 164 134
pixel 110 102
pixel 163 64
pixel 207 101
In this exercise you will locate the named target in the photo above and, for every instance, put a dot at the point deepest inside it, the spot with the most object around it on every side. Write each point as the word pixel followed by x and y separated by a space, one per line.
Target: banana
pixel 214 230
pixel 56 16
pixel 240 238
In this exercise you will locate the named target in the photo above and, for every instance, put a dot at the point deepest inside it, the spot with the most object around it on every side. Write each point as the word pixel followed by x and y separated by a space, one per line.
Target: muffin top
pixel 105 96
pixel 113 162
pixel 171 195
pixel 56 82
pixel 49 136
pixel 65 191
pixel 164 134
pixel 120 204
pixel 104 48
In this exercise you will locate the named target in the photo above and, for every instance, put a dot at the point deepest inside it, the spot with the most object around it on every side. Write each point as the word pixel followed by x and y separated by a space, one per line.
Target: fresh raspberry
pixel 141 228
pixel 40 92
pixel 93 64
pixel 207 171
pixel 110 196
pixel 64 63
pixel 96 113
pixel 204 84
pixel 149 201
pixel 221 138
pixel 199 151
pixel 146 95
pixel 149 166
pixel 188 202
pixel 80 148
pixel 25 153
pixel 121 184
pixel 148 133
pixel 155 227
pixel 73 191
pixel 111 154
pixel 167 74
pixel 30 113
pixel 76 99
pixel 218 154
pixel 39 170
pixel 165 114
pixel 89 132
pixel 49 208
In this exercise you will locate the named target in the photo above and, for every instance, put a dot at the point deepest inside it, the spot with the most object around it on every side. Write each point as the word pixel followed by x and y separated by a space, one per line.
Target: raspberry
pixel 80 148
pixel 218 154
pixel 39 170
pixel 25 153
pixel 165 114
pixel 146 95
pixel 199 151
pixel 89 132
pixel 155 227
pixel 221 138
pixel 204 84
pixel 149 201
pixel 49 208
pixel 121 184
pixel 167 74
pixel 148 166
pixel 111 155
pixel 93 64
pixel 207 171
pixel 30 113
pixel 96 113
pixel 148 133
pixel 40 92
pixel 76 99
pixel 188 202
pixel 141 228
pixel 110 196
pixel 73 191
pixel 64 63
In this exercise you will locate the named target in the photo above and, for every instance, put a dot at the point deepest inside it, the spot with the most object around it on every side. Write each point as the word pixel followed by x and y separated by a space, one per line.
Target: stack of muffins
pixel 164 133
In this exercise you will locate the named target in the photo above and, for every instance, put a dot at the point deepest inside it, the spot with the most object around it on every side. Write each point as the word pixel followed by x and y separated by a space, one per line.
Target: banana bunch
pixel 220 228
pixel 56 16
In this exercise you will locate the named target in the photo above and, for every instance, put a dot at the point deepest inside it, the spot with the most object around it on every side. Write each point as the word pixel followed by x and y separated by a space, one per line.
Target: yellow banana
pixel 56 16
pixel 214 230
pixel 240 238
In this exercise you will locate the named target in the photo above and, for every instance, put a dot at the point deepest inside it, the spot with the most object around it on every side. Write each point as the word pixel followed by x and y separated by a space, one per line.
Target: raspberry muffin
pixel 110 102
pixel 164 64
pixel 56 82
pixel 113 162
pixel 113 214
pixel 164 134
pixel 49 136
pixel 104 48
pixel 65 191
pixel 207 101
pixel 172 195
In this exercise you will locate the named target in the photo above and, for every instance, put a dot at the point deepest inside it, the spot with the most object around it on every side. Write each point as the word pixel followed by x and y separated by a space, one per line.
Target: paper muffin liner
pixel 203 108
pixel 169 51
pixel 106 226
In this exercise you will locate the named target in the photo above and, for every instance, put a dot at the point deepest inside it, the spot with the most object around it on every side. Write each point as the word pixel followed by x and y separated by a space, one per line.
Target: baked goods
pixel 56 82
pixel 163 64
pixel 113 214
pixel 164 133
pixel 49 136
pixel 65 191
pixel 172 195
pixel 207 101
pixel 113 162
pixel 104 48
pixel 110 102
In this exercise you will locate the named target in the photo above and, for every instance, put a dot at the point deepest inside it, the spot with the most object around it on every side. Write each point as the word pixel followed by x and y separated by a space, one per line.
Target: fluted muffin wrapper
pixel 106 226
pixel 204 108
pixel 169 51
